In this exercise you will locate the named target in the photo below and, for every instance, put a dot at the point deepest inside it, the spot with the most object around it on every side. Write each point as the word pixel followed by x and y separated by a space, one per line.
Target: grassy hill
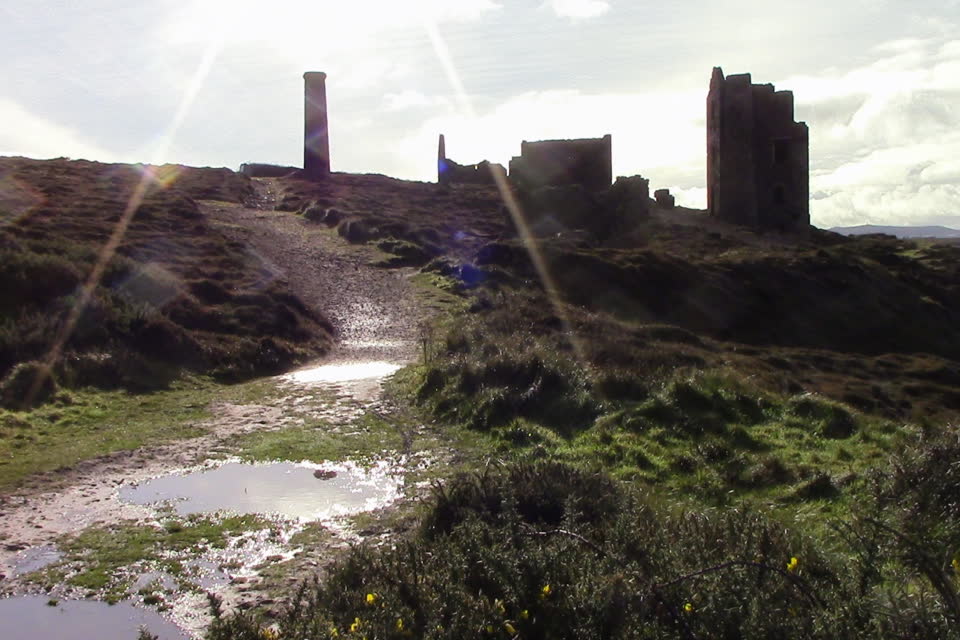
pixel 175 296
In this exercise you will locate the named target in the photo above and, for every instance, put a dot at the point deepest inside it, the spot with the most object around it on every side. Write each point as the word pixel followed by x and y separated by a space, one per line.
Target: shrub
pixel 28 384
pixel 543 551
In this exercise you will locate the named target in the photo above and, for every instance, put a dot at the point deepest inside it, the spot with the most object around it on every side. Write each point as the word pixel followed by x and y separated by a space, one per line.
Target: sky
pixel 219 83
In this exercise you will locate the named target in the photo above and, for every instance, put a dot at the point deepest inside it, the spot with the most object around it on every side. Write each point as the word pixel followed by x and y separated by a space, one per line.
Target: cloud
pixel 297 28
pixel 28 134
pixel 884 137
pixel 410 99
pixel 578 8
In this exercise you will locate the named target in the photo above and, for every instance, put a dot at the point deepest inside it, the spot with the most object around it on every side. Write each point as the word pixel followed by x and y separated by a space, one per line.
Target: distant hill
pixel 900 232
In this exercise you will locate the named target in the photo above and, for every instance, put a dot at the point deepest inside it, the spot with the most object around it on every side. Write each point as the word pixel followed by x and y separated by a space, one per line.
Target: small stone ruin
pixel 586 162
pixel 665 199
pixel 449 172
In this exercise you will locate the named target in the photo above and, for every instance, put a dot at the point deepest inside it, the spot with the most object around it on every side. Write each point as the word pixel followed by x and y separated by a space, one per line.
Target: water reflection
pixel 34 559
pixel 281 488
pixel 344 372
pixel 32 617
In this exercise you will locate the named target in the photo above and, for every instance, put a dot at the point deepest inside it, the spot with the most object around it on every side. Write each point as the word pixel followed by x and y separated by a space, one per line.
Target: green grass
pixel 108 560
pixel 83 424
pixel 367 440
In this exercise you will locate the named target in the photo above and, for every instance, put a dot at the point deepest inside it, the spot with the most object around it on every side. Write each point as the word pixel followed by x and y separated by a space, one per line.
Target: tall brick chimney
pixel 316 138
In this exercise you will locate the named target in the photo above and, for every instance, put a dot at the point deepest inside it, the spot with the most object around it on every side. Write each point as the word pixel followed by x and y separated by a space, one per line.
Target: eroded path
pixel 376 314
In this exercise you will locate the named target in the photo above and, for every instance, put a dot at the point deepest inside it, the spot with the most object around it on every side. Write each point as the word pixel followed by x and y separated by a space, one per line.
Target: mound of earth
pixel 175 293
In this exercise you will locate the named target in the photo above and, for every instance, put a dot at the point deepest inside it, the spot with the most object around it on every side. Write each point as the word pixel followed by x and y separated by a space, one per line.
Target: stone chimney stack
pixel 441 160
pixel 316 138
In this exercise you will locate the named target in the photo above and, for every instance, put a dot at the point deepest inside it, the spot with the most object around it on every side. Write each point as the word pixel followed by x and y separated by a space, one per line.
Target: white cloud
pixel 411 99
pixel 578 8
pixel 886 151
pixel 28 134
pixel 298 27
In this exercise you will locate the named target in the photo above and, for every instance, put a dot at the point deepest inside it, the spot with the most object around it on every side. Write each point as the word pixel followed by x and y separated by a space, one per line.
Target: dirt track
pixel 376 315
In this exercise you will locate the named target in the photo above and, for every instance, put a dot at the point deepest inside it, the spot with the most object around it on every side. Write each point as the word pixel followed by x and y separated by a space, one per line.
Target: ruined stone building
pixel 757 155
pixel 316 137
pixel 587 162
pixel 449 172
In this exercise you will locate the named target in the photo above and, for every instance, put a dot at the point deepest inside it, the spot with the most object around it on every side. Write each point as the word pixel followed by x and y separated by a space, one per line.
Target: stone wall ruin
pixel 586 162
pixel 450 172
pixel 757 155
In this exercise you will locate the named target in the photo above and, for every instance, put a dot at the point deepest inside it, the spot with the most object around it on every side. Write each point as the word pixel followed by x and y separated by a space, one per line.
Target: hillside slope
pixel 176 294
pixel 870 321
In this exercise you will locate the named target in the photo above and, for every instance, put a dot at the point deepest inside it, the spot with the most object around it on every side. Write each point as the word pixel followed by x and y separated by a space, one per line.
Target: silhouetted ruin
pixel 664 198
pixel 316 138
pixel 757 155
pixel 449 172
pixel 587 162
pixel 266 170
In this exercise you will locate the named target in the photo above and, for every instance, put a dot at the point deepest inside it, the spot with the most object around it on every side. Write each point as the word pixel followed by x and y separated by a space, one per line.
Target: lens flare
pixel 506 193
pixel 163 176
pixel 143 186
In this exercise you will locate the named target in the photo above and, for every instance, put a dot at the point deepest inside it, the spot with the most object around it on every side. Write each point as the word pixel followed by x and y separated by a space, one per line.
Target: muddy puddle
pixel 39 618
pixel 299 491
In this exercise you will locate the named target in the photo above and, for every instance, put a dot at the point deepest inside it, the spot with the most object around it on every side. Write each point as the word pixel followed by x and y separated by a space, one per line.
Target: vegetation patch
pixel 108 560
pixel 81 424
pixel 174 296
pixel 549 551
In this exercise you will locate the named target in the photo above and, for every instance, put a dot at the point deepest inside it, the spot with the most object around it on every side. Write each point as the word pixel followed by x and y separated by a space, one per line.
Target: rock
pixel 355 231
pixel 324 474
pixel 332 216
pixel 314 213
pixel 664 198
pixel 629 196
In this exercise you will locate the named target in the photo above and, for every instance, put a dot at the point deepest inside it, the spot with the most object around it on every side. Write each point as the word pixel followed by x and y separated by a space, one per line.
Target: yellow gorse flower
pixel 371 598
pixel 510 629
pixel 399 624
pixel 525 614
pixel 498 604
pixel 956 563
pixel 269 634
pixel 545 592
pixel 792 565
pixel 355 626
pixel 688 607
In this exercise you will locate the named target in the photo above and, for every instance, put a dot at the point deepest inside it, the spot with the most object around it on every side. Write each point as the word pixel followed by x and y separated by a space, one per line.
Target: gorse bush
pixel 548 551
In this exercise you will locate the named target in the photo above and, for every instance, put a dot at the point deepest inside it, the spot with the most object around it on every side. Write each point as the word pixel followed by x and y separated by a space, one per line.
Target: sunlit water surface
pixel 281 488
pixel 344 372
